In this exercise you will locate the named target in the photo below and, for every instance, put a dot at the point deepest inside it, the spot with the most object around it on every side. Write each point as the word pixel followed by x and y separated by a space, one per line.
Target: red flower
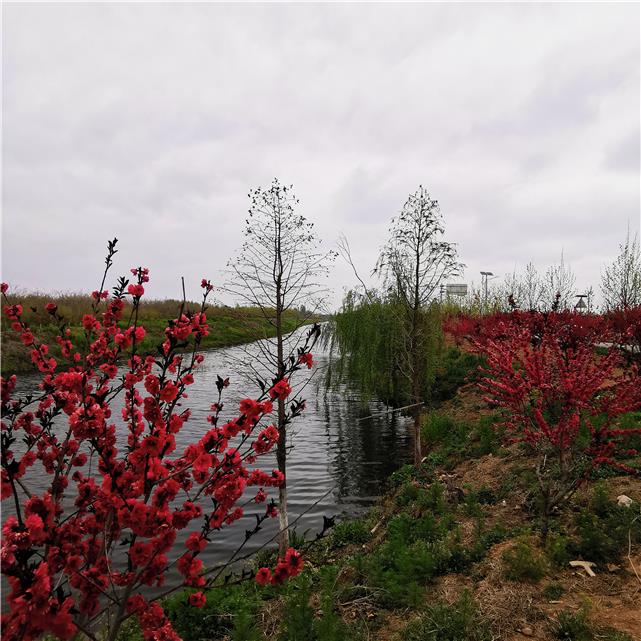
pixel 281 573
pixel 4 288
pixel 263 576
pixel 250 408
pixel 195 542
pixel 135 486
pixel 169 392
pixel 294 561
pixel 306 359
pixel 206 285
pixel 281 389
pixel 136 290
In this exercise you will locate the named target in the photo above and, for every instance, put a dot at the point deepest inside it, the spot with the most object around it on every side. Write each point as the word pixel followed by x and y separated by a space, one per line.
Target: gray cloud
pixel 151 122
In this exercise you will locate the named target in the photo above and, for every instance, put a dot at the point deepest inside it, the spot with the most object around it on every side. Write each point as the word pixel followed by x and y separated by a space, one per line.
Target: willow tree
pixel 398 328
pixel 279 271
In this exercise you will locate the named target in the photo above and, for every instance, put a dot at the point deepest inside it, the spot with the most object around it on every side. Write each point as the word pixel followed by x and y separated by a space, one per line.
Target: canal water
pixel 338 462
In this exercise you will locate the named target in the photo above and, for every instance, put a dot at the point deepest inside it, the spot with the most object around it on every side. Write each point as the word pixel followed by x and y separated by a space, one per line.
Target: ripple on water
pixel 337 466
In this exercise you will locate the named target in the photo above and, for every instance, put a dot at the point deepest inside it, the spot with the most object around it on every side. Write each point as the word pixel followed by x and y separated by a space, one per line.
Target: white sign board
pixel 456 290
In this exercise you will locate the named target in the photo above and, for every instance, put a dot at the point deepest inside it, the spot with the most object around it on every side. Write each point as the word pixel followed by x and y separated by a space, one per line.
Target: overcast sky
pixel 150 122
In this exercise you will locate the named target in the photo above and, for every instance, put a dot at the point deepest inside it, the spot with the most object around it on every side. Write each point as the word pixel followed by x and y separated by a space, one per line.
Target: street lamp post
pixel 485 276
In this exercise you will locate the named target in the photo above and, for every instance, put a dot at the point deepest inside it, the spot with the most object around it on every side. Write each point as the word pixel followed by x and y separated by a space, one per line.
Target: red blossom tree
pixel 559 397
pixel 111 516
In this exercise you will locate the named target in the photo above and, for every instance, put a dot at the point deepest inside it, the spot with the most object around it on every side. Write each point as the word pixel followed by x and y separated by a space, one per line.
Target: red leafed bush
pixel 572 328
pixel 625 326
pixel 113 509
pixel 559 396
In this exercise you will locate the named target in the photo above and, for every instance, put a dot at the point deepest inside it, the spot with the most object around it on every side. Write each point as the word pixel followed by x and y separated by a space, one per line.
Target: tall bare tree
pixel 558 287
pixel 413 264
pixel 279 270
pixel 621 280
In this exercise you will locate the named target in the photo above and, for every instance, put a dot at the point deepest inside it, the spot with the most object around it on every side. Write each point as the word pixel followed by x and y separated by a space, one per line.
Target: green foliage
pixel 245 628
pixel 446 438
pixel 459 621
pixel 130 631
pixel 610 634
pixel 454 370
pixel 403 475
pixel 417 548
pixel 330 626
pixel 573 626
pixel 451 441
pixel 553 591
pixel 523 562
pixel 440 429
pixel 558 549
pixel 604 527
pixel 475 498
pixel 298 615
pixel 348 532
pixel 487 436
pixel 576 626
pixel 299 622
pixel 367 335
pixel 226 609
pixel 600 502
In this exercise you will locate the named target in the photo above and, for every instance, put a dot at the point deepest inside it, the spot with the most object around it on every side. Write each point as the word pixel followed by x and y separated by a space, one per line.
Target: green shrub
pixel 573 626
pixel 330 626
pixel 523 562
pixel 349 532
pixel 553 591
pixel 603 529
pixel 576 626
pixel 403 476
pixel 298 615
pixel 399 568
pixel 610 634
pixel 408 494
pixel 434 499
pixel 600 502
pixel 455 369
pixel 216 618
pixel 488 436
pixel 557 548
pixel 130 631
pixel 440 429
pixel 245 628
pixel 459 621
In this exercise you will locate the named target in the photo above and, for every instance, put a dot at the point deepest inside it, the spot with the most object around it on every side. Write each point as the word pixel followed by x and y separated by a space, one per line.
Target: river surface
pixel 338 463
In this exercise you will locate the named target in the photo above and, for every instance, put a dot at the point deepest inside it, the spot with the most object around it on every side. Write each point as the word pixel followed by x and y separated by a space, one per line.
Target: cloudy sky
pixel 150 122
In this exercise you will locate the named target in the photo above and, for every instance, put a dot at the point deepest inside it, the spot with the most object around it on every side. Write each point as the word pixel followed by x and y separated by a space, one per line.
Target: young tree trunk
pixel 281 446
pixel 416 359
pixel 418 449
pixel 281 458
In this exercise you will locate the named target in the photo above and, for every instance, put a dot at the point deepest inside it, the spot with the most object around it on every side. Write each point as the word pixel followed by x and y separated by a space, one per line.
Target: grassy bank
pixel 227 326
pixel 451 553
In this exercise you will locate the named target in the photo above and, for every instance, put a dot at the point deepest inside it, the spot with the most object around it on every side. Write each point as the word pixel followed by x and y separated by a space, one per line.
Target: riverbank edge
pixel 15 358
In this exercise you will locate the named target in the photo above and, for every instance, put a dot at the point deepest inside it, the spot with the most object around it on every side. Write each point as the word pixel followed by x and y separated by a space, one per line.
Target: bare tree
pixel 413 264
pixel 532 288
pixel 279 270
pixel 621 280
pixel 557 287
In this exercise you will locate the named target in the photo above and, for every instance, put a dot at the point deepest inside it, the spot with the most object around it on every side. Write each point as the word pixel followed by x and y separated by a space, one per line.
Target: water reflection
pixel 337 465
